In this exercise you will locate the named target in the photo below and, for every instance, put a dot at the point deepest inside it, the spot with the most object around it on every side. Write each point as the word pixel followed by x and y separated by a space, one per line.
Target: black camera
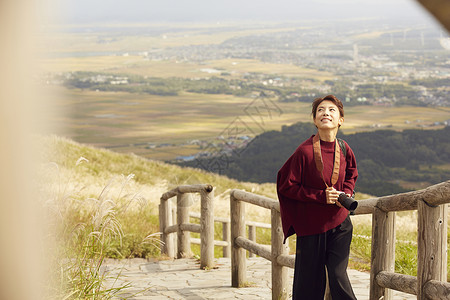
pixel 348 202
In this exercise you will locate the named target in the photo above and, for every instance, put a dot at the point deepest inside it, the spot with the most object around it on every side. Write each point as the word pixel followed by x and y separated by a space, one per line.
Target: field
pixel 159 127
pixel 138 65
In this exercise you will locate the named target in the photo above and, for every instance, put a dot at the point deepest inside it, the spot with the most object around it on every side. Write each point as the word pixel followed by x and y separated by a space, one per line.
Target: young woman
pixel 308 186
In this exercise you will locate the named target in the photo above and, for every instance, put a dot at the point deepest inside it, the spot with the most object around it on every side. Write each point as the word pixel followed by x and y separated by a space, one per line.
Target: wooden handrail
pixel 432 225
pixel 186 189
pixel 430 202
pixel 433 195
pixel 399 282
pixel 256 199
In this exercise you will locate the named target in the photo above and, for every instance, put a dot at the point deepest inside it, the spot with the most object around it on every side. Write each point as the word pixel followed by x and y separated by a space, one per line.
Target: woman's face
pixel 328 116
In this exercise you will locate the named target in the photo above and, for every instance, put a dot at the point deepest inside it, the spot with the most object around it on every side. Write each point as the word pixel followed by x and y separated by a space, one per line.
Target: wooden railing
pixel 430 282
pixel 183 227
pixel 431 204
pixel 175 227
pixel 225 243
pixel 277 253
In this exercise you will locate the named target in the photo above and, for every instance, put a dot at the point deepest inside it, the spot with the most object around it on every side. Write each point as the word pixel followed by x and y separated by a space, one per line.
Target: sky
pixel 79 11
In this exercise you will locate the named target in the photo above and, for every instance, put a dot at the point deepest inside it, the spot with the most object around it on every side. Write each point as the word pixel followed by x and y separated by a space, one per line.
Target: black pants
pixel 328 250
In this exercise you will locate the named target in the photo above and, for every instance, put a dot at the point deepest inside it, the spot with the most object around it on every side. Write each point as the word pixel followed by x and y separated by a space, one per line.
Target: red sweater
pixel 301 190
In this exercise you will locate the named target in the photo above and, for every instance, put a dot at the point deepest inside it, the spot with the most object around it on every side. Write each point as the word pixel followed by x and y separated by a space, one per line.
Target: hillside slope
pixel 83 172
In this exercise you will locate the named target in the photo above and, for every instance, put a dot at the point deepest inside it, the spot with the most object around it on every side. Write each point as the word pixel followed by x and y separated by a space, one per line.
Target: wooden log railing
pixel 430 282
pixel 277 253
pixel 431 204
pixel 183 227
pixel 175 227
pixel 226 234
pixel 225 243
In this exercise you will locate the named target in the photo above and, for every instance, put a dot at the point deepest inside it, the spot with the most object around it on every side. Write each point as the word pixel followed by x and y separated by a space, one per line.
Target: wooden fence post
pixel 383 251
pixel 226 233
pixel 251 237
pixel 165 218
pixel 162 226
pixel 238 255
pixel 279 272
pixel 207 228
pixel 174 240
pixel 432 245
pixel 184 237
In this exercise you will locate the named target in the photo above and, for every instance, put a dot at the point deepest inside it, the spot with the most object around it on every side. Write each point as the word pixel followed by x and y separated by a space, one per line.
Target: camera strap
pixel 319 162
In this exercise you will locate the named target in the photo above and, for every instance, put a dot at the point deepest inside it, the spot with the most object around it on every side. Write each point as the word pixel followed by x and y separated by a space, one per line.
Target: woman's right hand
pixel 333 196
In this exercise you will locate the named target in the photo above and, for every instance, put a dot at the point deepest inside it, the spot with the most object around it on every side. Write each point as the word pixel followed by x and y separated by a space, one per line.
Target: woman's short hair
pixel 331 98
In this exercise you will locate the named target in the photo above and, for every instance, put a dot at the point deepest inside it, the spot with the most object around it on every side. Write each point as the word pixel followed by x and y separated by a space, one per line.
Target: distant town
pixel 398 64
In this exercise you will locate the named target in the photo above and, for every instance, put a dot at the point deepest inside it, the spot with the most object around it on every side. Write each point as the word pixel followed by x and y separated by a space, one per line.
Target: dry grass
pixel 95 211
pixel 83 232
pixel 151 178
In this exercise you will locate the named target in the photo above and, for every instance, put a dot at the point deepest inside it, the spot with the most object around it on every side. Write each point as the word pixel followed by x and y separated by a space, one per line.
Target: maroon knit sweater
pixel 301 190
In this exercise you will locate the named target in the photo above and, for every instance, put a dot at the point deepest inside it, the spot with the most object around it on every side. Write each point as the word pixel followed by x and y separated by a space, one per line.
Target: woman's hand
pixel 332 196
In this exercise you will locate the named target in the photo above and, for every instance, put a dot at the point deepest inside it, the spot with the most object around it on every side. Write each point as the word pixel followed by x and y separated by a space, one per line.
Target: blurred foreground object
pixel 20 232
pixel 440 9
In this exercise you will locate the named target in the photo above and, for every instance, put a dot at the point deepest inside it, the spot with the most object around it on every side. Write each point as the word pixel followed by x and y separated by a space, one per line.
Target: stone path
pixel 183 279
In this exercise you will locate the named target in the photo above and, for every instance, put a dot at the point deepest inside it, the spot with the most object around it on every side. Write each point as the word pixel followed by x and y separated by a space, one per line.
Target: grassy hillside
pixel 101 170
pixel 103 204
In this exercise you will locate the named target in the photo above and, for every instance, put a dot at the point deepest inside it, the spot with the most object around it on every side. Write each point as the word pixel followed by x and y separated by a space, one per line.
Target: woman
pixel 308 186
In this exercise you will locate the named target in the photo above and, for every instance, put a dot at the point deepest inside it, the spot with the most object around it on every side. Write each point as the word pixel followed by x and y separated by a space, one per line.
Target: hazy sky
pixel 228 10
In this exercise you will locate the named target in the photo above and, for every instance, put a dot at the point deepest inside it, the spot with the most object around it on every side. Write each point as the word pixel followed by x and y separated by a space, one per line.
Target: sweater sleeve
pixel 290 185
pixel 351 172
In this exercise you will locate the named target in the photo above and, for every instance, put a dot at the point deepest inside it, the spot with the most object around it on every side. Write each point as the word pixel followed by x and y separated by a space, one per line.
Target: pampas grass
pixel 86 230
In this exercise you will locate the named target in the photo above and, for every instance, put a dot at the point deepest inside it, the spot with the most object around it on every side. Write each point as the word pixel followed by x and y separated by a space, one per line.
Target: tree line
pixel 385 158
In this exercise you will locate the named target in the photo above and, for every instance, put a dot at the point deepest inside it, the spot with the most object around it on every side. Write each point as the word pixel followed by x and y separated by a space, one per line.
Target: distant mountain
pixel 388 161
